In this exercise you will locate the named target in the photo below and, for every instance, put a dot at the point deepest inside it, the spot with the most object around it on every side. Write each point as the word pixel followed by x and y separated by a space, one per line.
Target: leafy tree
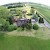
pixel 3 12
pixel 41 20
pixel 2 21
pixel 5 20
pixel 3 24
pixel 10 20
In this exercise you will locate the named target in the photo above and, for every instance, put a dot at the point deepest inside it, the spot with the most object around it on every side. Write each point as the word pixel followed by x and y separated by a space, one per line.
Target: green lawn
pixel 43 33
pixel 23 43
pixel 11 42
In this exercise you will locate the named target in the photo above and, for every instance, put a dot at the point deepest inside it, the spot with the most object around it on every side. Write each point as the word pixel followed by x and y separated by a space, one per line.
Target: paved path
pixel 41 24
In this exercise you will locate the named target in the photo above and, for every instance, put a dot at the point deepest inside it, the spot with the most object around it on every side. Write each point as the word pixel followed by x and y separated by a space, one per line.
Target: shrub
pixel 11 7
pixel 11 27
pixel 29 14
pixel 19 29
pixel 19 6
pixel 35 27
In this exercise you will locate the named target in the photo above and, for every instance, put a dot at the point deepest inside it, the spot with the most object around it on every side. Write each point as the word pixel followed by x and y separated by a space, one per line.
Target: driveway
pixel 46 23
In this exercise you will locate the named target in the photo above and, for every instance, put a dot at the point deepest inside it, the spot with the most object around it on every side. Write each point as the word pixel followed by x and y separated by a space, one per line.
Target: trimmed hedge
pixel 35 27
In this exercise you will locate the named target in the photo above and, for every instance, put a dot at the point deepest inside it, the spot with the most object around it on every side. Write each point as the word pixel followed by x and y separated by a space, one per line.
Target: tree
pixel 41 20
pixel 10 20
pixel 5 19
pixel 3 12
pixel 3 24
pixel 28 26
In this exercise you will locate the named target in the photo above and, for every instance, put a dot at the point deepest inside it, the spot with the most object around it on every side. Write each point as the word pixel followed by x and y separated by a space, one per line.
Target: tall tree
pixel 3 12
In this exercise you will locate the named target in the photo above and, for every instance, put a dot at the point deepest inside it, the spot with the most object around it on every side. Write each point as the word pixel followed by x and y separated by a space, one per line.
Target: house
pixel 20 22
pixel 23 21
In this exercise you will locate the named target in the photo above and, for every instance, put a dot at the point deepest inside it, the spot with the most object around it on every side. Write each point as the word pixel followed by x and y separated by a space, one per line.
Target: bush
pixel 11 27
pixel 29 14
pixel 19 6
pixel 11 7
pixel 19 29
pixel 35 27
